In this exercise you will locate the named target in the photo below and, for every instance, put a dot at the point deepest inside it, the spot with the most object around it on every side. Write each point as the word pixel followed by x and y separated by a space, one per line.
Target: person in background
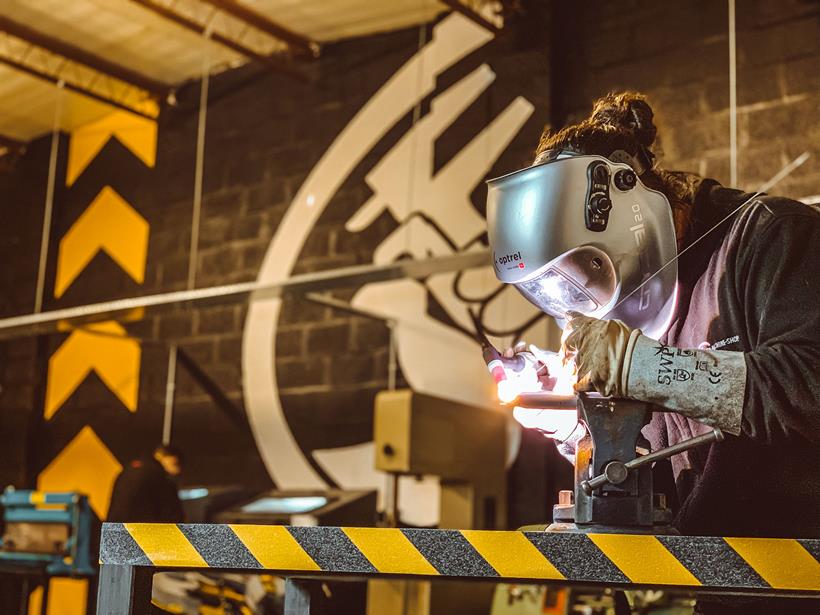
pixel 146 490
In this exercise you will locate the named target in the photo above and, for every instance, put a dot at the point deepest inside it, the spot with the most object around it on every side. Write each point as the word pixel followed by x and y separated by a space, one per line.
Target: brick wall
pixel 677 53
pixel 264 134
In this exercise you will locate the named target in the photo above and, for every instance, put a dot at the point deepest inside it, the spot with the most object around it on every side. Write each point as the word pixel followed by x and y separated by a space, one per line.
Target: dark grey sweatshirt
pixel 753 286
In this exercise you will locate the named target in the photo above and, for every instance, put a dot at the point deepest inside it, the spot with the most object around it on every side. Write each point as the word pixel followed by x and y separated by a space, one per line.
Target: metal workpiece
pixel 692 563
pixel 546 400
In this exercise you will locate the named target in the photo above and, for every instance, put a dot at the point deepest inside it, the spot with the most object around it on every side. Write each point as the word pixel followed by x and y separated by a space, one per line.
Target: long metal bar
pixel 76 54
pixel 469 13
pixel 234 412
pixel 134 307
pixel 271 62
pixel 545 400
pixel 266 24
pixel 345 306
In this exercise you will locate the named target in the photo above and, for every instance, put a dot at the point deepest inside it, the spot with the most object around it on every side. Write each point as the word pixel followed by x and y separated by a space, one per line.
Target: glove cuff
pixel 705 385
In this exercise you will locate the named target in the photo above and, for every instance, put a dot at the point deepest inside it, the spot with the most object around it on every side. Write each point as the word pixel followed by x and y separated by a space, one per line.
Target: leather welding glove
pixel 618 361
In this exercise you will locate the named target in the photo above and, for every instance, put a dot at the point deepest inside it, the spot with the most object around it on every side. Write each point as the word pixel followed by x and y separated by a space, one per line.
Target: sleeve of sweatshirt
pixel 780 290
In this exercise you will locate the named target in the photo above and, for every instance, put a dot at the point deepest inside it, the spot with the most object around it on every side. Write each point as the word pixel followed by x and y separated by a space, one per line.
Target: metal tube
pixel 170 387
pixel 544 400
pixel 132 307
pixel 52 178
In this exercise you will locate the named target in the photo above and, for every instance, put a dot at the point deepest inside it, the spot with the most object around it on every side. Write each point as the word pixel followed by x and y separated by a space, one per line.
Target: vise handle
pixel 616 472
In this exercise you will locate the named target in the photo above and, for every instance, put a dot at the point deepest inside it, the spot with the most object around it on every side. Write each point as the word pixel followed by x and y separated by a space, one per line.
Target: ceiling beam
pixel 272 62
pixel 56 78
pixel 264 23
pixel 459 7
pixel 154 87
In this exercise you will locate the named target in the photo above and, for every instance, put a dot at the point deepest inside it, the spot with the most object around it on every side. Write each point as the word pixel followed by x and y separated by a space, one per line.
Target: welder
pixel 675 290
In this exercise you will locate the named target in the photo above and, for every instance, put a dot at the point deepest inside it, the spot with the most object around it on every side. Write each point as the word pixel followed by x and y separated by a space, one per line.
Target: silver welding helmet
pixel 582 233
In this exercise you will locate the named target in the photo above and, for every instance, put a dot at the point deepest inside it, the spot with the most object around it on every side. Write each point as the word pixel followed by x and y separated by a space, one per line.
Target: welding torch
pixel 496 362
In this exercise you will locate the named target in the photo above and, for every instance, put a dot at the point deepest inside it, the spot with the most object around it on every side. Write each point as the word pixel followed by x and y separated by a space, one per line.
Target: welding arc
pixel 777 178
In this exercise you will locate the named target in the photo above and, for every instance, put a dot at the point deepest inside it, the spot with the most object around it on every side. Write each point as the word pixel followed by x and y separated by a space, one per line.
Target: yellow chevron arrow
pixel 109 224
pixel 88 466
pixel 137 133
pixel 85 465
pixel 115 359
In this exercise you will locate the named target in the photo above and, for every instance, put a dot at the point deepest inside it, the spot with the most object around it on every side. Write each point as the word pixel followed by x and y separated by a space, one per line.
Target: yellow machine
pixel 466 448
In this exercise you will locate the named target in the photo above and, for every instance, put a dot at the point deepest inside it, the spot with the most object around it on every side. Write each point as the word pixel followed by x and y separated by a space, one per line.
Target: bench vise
pixel 613 466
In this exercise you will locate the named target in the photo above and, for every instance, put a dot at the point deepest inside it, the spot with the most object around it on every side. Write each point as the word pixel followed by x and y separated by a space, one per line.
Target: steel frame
pixel 48 65
pixel 224 28
pixel 262 22
pixel 127 75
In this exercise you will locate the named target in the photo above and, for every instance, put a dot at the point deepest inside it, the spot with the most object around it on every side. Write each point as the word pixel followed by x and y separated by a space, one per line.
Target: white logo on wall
pixel 435 218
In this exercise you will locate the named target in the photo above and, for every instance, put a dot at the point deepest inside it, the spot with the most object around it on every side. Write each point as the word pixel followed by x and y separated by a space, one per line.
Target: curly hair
pixel 625 121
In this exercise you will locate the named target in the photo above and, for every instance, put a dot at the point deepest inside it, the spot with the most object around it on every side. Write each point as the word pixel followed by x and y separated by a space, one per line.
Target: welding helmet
pixel 581 233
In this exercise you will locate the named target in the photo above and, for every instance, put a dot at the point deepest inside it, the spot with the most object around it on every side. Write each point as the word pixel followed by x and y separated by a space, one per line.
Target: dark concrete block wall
pixel 264 134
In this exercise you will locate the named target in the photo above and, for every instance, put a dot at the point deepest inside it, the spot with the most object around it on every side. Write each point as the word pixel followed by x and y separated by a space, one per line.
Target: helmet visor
pixel 581 280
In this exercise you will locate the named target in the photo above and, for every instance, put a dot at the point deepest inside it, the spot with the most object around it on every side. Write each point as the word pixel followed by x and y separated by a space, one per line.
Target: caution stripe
pixel 274 547
pixel 512 555
pixel 644 559
pixel 165 545
pixel 711 563
pixel 784 564
pixel 389 551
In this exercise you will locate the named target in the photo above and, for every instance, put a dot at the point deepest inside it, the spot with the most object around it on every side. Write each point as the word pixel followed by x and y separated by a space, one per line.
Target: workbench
pixel 131 553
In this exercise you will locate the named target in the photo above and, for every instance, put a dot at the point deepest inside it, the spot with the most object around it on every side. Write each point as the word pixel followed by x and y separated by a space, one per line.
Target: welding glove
pixel 618 361
pixel 542 362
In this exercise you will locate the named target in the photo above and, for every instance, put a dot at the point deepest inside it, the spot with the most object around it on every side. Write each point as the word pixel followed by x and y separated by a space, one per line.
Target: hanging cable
pixel 49 205
pixel 200 156
pixel 732 96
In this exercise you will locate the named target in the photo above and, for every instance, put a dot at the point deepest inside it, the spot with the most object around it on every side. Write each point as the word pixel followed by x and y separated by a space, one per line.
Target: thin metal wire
pixel 170 387
pixel 392 359
pixel 778 177
pixel 411 173
pixel 200 157
pixel 732 96
pixel 49 205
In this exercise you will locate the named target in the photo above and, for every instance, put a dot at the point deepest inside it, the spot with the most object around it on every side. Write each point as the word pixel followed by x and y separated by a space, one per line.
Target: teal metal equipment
pixel 29 513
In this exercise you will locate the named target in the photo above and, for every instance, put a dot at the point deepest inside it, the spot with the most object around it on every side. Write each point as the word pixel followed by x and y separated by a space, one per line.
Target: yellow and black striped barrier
pixel 694 562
